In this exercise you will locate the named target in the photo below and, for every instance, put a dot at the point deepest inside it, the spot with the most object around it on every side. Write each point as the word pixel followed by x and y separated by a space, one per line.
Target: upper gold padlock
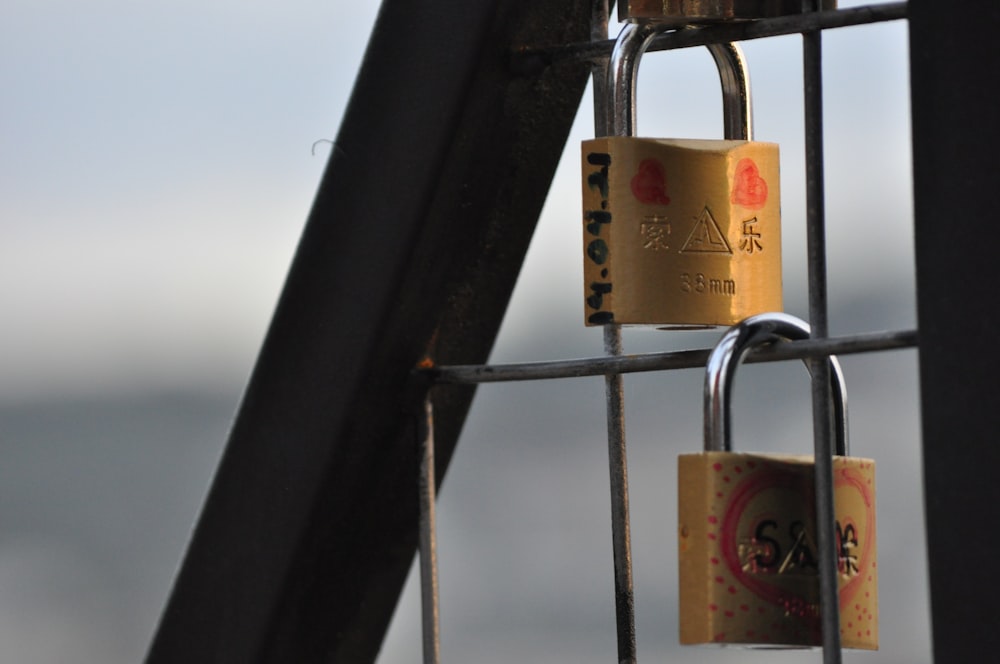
pixel 679 232
pixel 705 11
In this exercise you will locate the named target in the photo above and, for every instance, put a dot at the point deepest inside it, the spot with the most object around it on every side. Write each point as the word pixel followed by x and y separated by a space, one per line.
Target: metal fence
pixel 618 74
pixel 290 598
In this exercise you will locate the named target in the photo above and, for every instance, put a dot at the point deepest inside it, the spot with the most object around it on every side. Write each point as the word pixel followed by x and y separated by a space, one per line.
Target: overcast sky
pixel 155 172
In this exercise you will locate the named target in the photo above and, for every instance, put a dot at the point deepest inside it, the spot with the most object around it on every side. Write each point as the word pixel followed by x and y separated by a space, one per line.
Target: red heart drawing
pixel 649 184
pixel 749 188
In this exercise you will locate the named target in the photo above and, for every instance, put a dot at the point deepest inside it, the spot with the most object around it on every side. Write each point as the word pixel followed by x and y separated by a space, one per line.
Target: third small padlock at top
pixel 707 11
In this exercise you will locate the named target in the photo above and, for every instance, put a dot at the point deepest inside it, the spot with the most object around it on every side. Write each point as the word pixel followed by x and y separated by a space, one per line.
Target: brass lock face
pixel 709 11
pixel 747 533
pixel 748 556
pixel 680 231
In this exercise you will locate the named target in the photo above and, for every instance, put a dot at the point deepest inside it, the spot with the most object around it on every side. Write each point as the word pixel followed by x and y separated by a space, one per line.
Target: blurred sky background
pixel 156 169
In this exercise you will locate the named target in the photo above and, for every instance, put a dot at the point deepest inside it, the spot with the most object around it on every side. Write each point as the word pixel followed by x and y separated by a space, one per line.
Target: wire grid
pixel 815 350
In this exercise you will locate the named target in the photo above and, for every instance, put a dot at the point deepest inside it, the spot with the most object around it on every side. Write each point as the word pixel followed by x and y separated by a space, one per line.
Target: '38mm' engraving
pixel 698 283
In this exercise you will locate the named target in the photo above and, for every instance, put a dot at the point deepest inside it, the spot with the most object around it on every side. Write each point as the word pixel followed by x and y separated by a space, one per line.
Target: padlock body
pixel 748 555
pixel 680 232
pixel 710 11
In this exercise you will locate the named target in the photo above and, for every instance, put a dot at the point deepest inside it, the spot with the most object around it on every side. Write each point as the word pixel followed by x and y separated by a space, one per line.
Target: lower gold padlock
pixel 748 557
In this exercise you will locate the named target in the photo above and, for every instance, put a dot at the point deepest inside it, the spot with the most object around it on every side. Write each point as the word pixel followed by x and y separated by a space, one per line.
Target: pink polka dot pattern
pixel 738 534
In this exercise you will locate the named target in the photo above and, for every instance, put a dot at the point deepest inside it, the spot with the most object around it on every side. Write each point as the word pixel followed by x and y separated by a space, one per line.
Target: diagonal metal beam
pixel 412 248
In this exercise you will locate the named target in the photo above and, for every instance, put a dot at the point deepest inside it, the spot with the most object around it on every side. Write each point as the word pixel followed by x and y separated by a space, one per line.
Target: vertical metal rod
pixel 604 88
pixel 822 419
pixel 599 67
pixel 620 534
pixel 428 541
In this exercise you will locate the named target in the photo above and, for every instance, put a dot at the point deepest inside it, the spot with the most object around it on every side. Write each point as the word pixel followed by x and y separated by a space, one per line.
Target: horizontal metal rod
pixel 684 359
pixel 727 32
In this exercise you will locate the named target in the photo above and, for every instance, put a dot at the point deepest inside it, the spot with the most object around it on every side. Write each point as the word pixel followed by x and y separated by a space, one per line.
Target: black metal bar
pixel 729 32
pixel 412 248
pixel 685 359
pixel 956 137
pixel 812 51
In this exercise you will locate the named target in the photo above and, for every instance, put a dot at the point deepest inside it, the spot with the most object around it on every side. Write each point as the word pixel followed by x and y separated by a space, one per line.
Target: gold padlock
pixel 679 232
pixel 710 11
pixel 747 525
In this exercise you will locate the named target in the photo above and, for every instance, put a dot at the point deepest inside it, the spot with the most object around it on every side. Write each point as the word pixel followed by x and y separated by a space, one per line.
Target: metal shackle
pixel 623 70
pixel 729 353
